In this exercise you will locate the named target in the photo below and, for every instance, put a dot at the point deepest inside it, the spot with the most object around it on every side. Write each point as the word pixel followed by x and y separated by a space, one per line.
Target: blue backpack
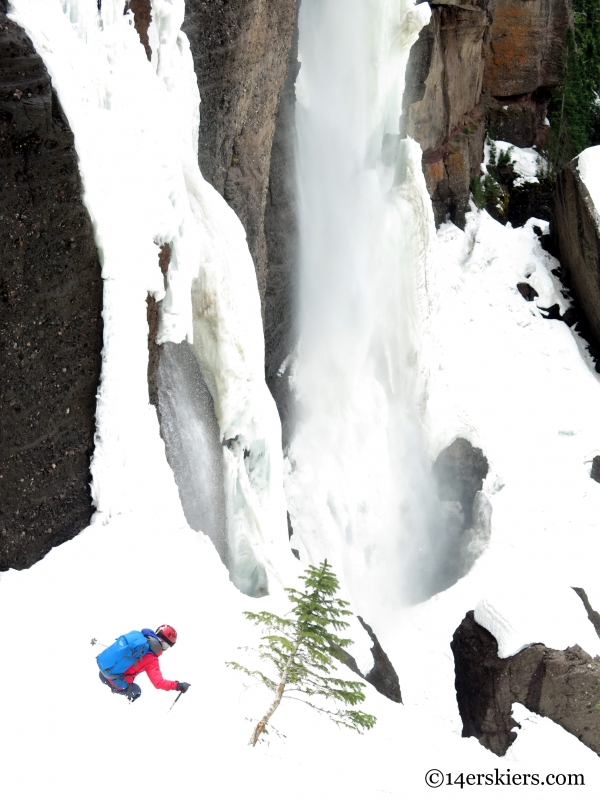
pixel 121 655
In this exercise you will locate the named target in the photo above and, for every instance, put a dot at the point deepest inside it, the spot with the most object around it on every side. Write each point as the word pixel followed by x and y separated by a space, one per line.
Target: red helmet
pixel 167 633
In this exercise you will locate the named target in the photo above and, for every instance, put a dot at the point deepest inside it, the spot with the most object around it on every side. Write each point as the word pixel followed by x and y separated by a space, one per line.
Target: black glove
pixel 182 687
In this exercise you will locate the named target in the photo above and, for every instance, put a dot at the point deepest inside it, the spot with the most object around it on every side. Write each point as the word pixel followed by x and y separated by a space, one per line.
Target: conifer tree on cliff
pixel 302 647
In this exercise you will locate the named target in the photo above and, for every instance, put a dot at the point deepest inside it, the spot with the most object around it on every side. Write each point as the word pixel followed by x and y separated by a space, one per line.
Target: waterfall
pixel 357 481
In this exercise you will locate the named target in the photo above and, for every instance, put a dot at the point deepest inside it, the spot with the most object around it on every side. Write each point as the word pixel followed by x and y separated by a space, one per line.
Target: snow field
pixel 82 740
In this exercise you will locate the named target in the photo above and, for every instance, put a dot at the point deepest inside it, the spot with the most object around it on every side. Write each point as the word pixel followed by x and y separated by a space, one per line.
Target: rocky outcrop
pixel 50 323
pixel 440 104
pixel 563 685
pixel 575 228
pixel 459 472
pixel 382 674
pixel 142 15
pixel 459 520
pixel 240 50
pixel 477 66
pixel 593 616
pixel 153 316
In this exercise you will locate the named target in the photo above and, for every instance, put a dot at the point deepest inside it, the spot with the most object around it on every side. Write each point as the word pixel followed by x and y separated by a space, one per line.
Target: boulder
pixel 459 472
pixel 563 685
pixel 459 522
pixel 50 320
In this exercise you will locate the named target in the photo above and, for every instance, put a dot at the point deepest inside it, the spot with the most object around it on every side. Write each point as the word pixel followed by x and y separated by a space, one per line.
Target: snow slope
pixel 144 570
pixel 65 736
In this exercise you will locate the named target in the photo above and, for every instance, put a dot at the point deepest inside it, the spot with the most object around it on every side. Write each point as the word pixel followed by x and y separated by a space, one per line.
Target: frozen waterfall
pixel 135 124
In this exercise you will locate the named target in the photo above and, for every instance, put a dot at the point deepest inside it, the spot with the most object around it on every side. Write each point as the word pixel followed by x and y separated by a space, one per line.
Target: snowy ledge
pixel 536 614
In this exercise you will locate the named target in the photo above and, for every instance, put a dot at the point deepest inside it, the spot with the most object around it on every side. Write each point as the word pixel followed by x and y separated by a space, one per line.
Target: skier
pixel 159 641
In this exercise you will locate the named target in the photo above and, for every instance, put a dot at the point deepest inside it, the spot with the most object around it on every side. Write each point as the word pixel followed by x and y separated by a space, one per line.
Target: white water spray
pixel 356 484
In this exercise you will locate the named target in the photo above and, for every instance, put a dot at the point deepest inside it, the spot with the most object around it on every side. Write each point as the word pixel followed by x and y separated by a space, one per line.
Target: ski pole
pixel 176 699
pixel 95 641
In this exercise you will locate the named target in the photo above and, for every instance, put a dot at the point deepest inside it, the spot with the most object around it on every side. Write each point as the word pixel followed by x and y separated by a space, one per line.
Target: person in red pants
pixel 163 639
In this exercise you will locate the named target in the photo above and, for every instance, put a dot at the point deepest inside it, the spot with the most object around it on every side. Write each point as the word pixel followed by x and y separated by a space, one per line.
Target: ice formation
pixel 136 135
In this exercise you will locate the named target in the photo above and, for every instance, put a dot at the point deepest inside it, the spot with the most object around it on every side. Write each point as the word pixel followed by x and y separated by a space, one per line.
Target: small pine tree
pixel 302 649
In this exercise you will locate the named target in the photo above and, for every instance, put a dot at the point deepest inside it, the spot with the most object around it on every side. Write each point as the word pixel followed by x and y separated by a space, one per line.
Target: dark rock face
pixel 281 229
pixel 561 685
pixel 142 15
pixel 575 227
pixel 51 305
pixel 593 616
pixel 382 675
pixel 595 473
pixel 459 526
pixel 530 200
pixel 527 291
pixel 240 50
pixel 153 315
pixel 459 472
pixel 477 66
pixel 443 87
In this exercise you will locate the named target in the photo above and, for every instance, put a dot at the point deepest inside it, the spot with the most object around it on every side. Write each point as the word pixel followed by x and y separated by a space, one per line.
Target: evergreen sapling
pixel 302 648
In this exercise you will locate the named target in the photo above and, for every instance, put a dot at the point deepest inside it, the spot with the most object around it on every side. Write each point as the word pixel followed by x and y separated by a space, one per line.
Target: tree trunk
pixel 263 723
pixel 277 699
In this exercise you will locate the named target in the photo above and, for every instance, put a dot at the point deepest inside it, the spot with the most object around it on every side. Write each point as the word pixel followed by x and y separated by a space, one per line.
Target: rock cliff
pixel 51 305
pixel 575 229
pixel 563 685
pixel 240 50
pixel 480 65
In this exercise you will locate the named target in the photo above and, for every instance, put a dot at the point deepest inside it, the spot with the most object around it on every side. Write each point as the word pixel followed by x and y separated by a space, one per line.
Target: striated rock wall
pixel 50 315
pixel 563 685
pixel 240 50
pixel 575 228
pixel 281 230
pixel 477 66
